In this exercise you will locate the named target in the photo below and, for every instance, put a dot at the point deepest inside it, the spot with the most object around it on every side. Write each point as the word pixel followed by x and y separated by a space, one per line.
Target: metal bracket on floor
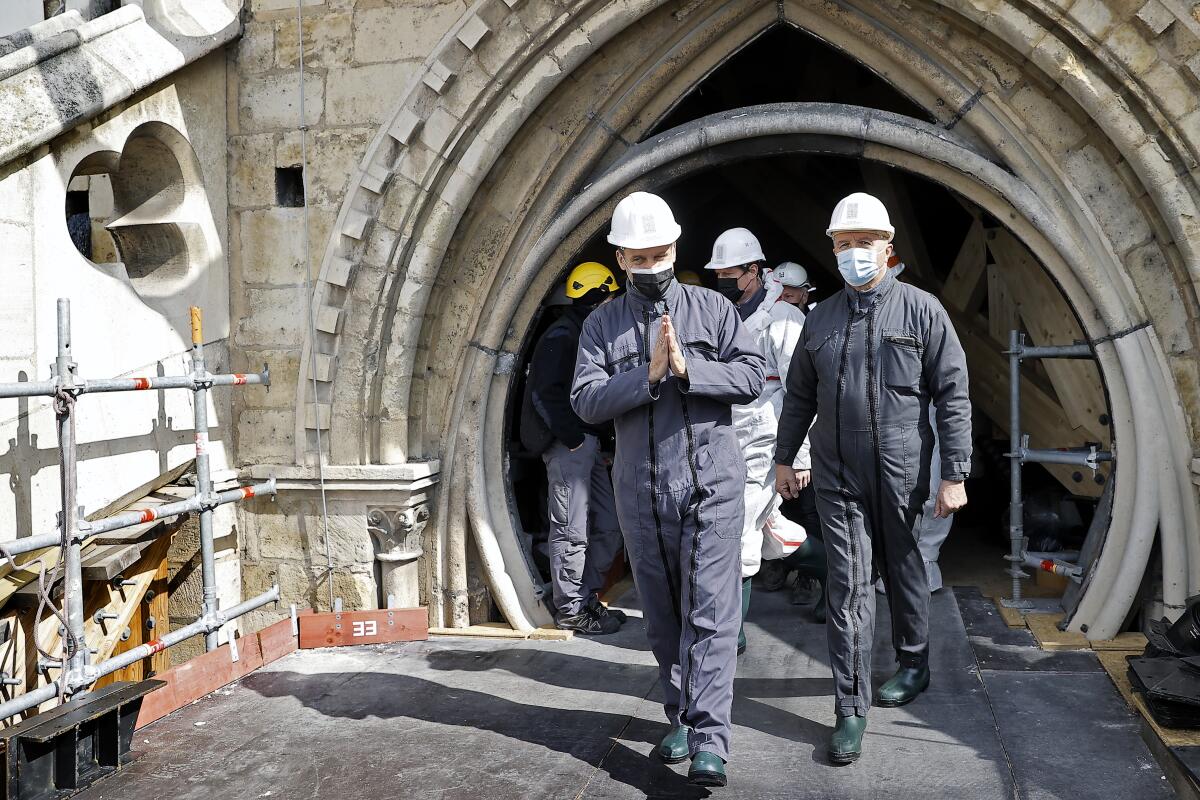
pixel 57 753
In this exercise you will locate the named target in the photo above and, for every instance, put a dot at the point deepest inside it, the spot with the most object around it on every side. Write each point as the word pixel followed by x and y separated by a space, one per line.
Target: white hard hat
pixel 789 273
pixel 860 212
pixel 643 220
pixel 734 248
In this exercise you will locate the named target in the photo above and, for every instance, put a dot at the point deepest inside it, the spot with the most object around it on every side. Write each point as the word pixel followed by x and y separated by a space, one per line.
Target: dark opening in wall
pixel 79 222
pixel 289 187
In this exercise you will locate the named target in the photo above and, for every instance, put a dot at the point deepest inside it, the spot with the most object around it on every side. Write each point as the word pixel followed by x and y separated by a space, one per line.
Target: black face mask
pixel 729 287
pixel 651 285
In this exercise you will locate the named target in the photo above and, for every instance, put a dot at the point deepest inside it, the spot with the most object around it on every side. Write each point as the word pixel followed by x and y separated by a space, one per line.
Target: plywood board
pixel 1013 617
pixel 1045 630
pixel 1124 643
pixel 1118 670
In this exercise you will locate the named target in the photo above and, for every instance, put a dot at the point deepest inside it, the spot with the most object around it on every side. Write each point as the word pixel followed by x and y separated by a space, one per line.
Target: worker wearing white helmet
pixel 796 286
pixel 874 357
pixel 738 262
pixel 665 362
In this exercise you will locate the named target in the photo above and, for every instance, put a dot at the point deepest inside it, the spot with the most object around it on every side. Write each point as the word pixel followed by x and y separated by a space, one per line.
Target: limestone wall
pixel 358 57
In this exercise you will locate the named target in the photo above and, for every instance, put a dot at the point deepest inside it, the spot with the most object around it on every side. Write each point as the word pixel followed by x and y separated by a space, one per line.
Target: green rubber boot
pixel 673 749
pixel 707 770
pixel 745 610
pixel 809 559
pixel 845 745
pixel 903 687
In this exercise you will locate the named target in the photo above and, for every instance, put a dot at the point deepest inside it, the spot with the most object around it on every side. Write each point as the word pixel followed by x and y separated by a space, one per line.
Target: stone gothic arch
pixel 524 122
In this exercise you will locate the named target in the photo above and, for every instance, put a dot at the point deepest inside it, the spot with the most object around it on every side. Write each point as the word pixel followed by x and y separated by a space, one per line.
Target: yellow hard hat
pixel 587 276
pixel 688 277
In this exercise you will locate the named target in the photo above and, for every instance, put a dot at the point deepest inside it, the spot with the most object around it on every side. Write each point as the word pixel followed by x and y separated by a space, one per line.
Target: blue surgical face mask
pixel 858 265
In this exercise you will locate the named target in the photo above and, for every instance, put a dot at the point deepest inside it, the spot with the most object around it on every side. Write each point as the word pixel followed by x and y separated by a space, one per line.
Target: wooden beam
pixel 884 183
pixel 964 287
pixel 1003 316
pixel 1050 321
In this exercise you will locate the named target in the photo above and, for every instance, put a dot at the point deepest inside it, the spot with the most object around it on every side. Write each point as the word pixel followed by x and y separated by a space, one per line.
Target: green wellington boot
pixel 845 745
pixel 903 687
pixel 707 770
pixel 809 559
pixel 745 610
pixel 673 749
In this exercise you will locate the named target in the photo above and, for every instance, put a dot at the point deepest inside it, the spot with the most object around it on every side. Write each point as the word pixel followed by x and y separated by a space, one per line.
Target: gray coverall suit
pixel 869 366
pixel 679 479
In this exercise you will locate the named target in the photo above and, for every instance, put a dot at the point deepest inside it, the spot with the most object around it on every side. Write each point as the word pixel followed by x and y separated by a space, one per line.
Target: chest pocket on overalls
pixel 900 361
pixel 824 355
pixel 695 347
pixel 623 357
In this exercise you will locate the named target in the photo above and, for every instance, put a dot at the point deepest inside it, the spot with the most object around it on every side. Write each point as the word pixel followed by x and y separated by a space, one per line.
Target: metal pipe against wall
pixel 1054 567
pixel 75 652
pixel 137 516
pixel 1016 507
pixel 1078 458
pixel 197 502
pixel 192 382
pixel 208 564
pixel 158 382
pixel 1058 351
pixel 31 699
pixel 203 625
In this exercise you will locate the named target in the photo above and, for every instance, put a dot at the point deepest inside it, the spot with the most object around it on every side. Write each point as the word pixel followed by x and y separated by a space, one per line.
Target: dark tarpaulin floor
pixel 470 718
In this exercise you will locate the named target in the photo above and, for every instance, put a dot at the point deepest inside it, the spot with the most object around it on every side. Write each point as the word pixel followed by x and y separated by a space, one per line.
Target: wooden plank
pixel 1013 617
pixel 1045 630
pixel 963 290
pixel 1050 321
pixel 487 630
pixel 1131 642
pixel 200 676
pixel 337 629
pixel 105 562
pixel 277 640
pixel 104 638
pixel 156 609
pixel 551 634
pixel 147 488
pixel 1117 667
pixel 1003 316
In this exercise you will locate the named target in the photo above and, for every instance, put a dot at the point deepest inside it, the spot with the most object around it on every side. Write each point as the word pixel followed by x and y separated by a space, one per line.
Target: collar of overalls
pixel 640 302
pixel 861 302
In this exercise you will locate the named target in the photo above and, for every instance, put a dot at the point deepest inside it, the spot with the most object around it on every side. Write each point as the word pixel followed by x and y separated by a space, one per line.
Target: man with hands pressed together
pixel 872 359
pixel 665 362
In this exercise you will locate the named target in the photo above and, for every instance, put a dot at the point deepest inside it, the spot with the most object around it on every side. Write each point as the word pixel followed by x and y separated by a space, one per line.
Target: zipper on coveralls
pixel 662 545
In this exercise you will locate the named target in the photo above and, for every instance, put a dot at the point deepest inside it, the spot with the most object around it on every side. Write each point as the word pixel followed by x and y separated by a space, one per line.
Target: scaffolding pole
pixel 1019 453
pixel 65 388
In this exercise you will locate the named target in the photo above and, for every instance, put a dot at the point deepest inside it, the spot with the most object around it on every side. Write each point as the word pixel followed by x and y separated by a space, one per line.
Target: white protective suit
pixel 776 327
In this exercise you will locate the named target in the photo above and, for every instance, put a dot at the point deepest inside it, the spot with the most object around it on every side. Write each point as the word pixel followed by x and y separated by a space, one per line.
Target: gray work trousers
pixel 685 548
pixel 868 537
pixel 584 533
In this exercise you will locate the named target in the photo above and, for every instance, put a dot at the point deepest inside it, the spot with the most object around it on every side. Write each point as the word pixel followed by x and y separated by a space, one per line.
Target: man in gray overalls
pixel 666 362
pixel 873 358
